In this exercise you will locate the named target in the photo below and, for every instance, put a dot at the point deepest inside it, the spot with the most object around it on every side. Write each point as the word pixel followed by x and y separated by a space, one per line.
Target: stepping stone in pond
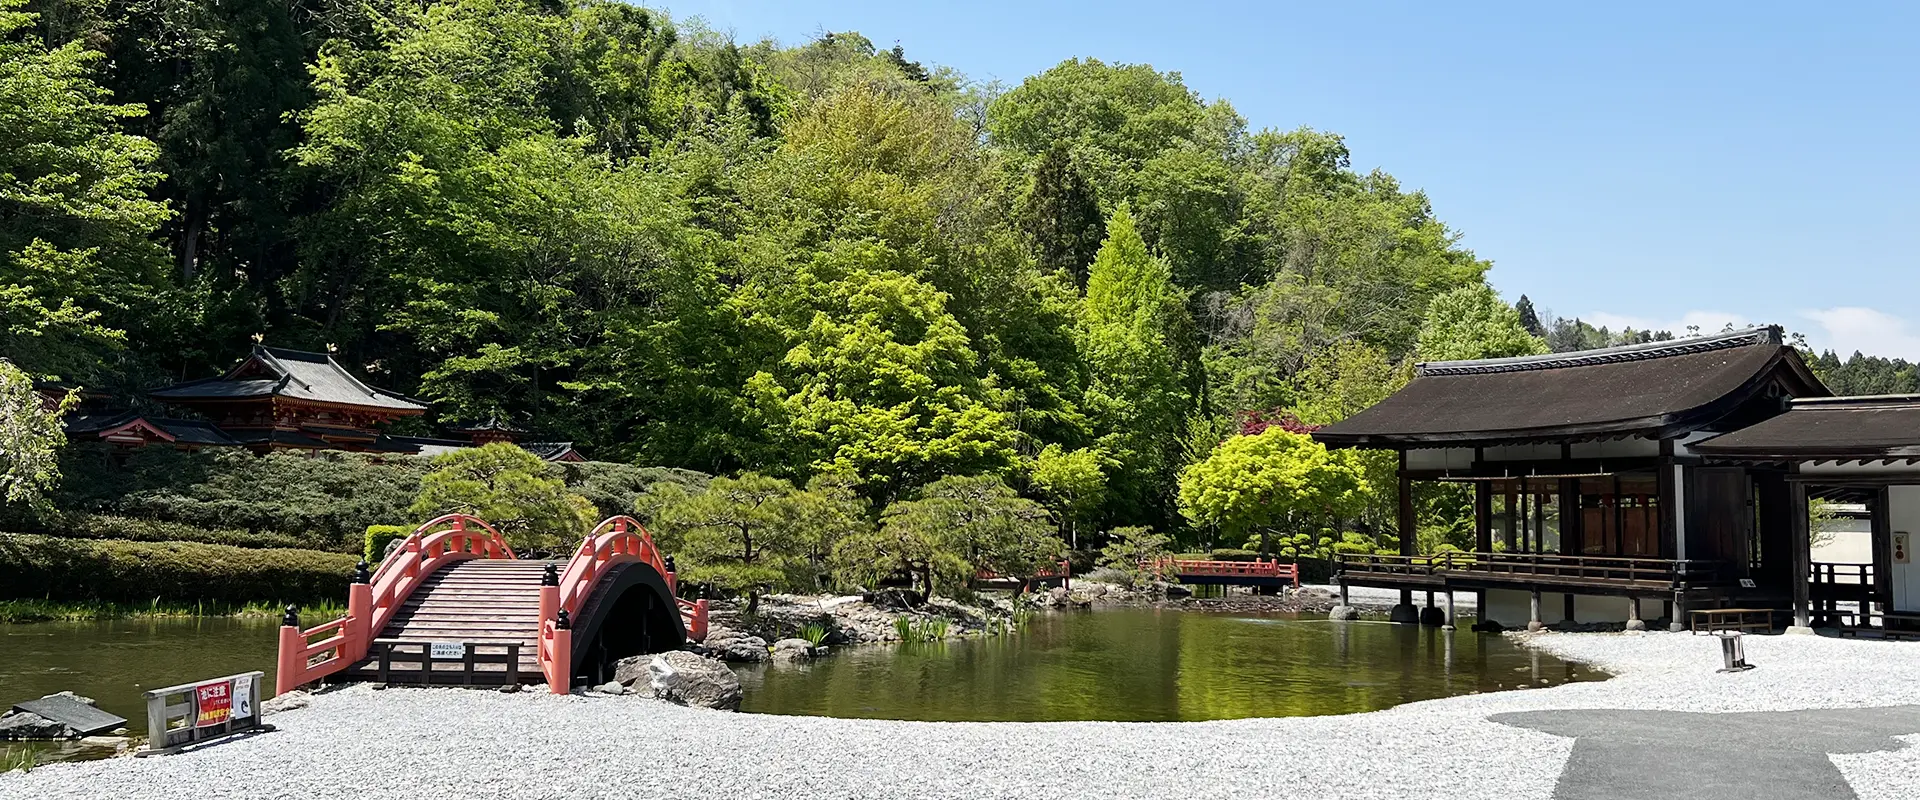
pixel 82 718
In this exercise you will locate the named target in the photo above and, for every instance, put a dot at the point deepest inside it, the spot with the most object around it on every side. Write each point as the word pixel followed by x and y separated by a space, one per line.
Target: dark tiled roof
pixel 1651 390
pixel 551 451
pixel 337 432
pixel 1884 426
pixel 492 425
pixel 294 374
pixel 286 438
pixel 183 431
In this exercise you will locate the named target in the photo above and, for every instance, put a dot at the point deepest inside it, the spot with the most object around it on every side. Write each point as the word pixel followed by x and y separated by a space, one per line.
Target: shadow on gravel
pixel 1762 755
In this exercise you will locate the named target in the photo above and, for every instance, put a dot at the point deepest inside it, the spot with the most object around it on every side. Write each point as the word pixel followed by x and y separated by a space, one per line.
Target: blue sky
pixel 1653 164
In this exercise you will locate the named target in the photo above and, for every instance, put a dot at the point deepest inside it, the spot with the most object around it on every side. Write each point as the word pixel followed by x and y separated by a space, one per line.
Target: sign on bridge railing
pixel 191 713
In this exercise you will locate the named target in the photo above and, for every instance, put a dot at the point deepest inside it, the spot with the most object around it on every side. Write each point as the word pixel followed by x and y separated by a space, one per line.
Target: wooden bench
pixel 1730 619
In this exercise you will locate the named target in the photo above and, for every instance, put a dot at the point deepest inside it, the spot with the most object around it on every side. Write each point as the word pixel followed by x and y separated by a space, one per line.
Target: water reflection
pixel 1152 665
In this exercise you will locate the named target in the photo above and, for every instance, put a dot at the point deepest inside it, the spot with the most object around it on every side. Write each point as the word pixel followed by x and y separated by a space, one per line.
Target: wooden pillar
pixel 1482 516
pixel 1802 549
pixel 1509 532
pixel 1408 526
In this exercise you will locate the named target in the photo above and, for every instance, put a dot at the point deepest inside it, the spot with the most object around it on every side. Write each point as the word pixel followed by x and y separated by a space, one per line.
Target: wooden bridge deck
pixel 484 601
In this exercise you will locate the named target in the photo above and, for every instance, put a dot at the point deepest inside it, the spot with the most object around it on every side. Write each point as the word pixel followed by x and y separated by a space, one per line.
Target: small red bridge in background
pixel 1228 573
pixel 454 606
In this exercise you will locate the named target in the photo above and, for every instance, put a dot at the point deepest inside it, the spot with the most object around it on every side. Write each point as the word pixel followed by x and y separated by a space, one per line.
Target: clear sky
pixel 1653 164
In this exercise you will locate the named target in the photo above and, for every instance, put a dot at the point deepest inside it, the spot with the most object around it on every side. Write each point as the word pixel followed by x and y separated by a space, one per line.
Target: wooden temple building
pixel 1640 481
pixel 288 400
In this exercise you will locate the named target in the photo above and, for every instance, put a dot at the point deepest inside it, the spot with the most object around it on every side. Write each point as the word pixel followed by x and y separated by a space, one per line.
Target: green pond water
pixel 1134 664
pixel 1155 665
pixel 114 661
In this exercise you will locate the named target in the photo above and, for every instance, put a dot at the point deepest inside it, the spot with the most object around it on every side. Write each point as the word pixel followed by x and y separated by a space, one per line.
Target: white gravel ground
pixel 359 743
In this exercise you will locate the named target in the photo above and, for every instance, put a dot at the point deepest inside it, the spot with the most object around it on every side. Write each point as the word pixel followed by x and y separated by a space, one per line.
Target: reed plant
pixel 814 633
pixel 23 759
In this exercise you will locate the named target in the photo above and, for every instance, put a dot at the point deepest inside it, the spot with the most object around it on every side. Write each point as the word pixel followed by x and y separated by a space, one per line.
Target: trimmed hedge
pixel 378 537
pixel 324 502
pixel 107 526
pixel 52 568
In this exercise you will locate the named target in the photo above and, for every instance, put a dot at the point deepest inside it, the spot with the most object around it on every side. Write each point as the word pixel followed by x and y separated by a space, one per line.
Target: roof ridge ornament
pixel 1748 337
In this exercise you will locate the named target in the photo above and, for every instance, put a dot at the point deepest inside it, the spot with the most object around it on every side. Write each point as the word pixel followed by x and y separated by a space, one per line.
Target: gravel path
pixel 360 743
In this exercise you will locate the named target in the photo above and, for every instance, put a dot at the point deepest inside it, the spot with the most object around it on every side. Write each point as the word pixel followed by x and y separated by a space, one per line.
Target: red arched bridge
pixel 454 606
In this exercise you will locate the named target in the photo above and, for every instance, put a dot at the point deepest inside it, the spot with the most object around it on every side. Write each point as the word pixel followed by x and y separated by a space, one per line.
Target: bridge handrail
pixel 427 549
pixel 616 540
pixel 371 605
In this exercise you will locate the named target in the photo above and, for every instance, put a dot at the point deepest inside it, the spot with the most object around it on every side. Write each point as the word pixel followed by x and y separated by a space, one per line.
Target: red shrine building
pixel 279 400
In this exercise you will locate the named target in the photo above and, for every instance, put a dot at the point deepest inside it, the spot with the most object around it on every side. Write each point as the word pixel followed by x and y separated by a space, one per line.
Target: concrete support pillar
pixel 1633 615
pixel 1345 610
pixel 1403 611
pixel 1448 625
pixel 1533 622
pixel 1430 615
pixel 1678 614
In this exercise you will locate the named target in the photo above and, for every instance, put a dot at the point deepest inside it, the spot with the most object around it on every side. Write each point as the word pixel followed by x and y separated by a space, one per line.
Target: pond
pixel 1128 664
pixel 1155 665
pixel 114 661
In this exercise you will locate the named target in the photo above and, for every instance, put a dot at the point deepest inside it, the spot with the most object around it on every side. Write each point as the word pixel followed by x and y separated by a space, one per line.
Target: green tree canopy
pixel 1275 479
pixel 511 489
pixel 737 534
pixel 1472 322
pixel 77 266
pixel 30 438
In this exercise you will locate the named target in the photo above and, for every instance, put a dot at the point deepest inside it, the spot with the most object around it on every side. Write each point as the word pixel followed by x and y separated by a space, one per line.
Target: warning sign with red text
pixel 215 702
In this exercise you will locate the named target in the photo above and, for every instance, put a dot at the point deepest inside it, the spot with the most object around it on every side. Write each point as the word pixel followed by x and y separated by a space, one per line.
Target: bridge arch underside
pixel 629 613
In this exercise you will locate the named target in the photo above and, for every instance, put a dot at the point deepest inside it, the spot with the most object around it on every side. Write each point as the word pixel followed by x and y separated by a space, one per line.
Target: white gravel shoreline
pixel 358 743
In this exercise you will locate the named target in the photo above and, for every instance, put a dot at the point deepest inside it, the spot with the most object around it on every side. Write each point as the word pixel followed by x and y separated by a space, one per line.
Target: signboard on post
pixel 447 651
pixel 214 702
pixel 191 713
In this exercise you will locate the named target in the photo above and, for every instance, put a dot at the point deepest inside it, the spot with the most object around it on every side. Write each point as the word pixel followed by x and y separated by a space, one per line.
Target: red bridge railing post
pixel 290 665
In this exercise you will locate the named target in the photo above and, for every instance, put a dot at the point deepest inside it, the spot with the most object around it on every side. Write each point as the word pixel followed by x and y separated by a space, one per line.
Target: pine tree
pixel 1530 319
pixel 1061 217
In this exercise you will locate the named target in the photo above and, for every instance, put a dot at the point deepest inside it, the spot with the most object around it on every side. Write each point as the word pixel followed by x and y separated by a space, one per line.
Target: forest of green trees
pixel 677 250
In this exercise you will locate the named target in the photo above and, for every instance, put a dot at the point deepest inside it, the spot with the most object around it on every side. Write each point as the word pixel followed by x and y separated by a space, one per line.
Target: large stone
pixel 82 700
pixel 1343 612
pixel 28 725
pixel 690 680
pixel 728 644
pixel 291 701
pixel 791 649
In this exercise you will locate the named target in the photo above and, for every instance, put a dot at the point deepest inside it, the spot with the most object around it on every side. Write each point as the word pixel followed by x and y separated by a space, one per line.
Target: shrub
pixel 110 526
pixel 1232 554
pixel 139 572
pixel 378 537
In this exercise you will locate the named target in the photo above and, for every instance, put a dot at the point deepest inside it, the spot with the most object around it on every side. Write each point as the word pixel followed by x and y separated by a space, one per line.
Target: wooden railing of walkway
pixel 372 600
pixel 1547 567
pixel 1256 569
pixel 616 540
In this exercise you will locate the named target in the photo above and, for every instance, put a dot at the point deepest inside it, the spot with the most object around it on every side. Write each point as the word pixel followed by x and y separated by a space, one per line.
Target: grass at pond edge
pixel 26 611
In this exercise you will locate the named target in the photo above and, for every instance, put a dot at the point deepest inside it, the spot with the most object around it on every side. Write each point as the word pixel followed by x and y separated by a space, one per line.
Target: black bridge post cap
pixel 670 567
pixel 360 572
pixel 562 620
pixel 550 576
pixel 292 617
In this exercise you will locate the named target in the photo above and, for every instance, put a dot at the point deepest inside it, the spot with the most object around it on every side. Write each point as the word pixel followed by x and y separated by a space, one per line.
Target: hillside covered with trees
pixel 681 251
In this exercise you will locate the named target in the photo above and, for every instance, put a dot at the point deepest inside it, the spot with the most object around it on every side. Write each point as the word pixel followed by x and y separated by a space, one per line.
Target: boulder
pixel 28 725
pixel 85 701
pixel 290 701
pixel 791 649
pixel 728 644
pixel 1343 612
pixel 689 680
pixel 612 687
